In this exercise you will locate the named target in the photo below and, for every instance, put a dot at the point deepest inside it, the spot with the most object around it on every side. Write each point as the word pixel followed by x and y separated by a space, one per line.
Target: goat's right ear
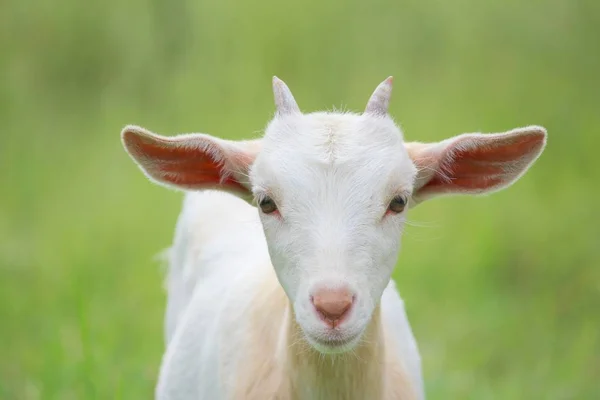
pixel 192 161
pixel 474 163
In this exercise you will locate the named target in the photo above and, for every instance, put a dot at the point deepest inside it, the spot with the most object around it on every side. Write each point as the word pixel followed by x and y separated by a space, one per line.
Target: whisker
pixel 421 224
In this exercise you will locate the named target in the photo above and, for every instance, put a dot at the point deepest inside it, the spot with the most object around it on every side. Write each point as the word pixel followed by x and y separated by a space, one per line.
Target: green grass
pixel 503 291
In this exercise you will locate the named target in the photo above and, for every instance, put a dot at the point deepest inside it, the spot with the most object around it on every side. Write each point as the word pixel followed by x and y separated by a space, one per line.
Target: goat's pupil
pixel 397 204
pixel 267 205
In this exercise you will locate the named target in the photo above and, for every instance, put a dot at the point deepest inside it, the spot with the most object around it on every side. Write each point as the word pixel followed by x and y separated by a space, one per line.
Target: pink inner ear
pixel 190 164
pixel 198 171
pixel 478 164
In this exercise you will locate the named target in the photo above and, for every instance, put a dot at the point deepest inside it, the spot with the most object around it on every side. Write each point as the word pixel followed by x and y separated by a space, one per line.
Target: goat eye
pixel 397 204
pixel 267 205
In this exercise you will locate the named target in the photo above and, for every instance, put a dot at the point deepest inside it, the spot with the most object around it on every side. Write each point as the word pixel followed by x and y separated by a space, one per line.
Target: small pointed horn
pixel 380 99
pixel 284 100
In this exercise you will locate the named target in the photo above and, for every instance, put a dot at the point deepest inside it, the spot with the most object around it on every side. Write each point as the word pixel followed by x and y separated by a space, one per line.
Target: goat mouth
pixel 333 344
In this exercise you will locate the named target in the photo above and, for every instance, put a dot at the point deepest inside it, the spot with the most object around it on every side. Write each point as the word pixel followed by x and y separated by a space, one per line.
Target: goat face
pixel 332 191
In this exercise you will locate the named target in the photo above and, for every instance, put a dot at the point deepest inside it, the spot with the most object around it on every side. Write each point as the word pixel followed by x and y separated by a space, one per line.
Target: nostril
pixel 332 304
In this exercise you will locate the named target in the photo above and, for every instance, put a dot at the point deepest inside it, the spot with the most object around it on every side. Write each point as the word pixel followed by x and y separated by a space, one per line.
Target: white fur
pixel 333 234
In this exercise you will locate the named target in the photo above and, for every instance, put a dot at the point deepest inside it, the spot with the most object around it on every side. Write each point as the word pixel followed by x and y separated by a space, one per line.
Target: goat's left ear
pixel 474 163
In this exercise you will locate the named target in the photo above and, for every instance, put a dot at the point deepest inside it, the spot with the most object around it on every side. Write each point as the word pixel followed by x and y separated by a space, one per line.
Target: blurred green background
pixel 503 291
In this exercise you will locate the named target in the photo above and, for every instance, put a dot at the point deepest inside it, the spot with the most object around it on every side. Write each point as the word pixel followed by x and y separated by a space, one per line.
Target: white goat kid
pixel 294 300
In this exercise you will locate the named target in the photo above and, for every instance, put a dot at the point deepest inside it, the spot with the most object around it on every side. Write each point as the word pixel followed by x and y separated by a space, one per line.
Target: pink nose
pixel 333 304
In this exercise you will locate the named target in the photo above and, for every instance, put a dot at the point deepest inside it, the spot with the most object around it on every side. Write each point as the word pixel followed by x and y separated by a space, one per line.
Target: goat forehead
pixel 330 137
pixel 321 149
